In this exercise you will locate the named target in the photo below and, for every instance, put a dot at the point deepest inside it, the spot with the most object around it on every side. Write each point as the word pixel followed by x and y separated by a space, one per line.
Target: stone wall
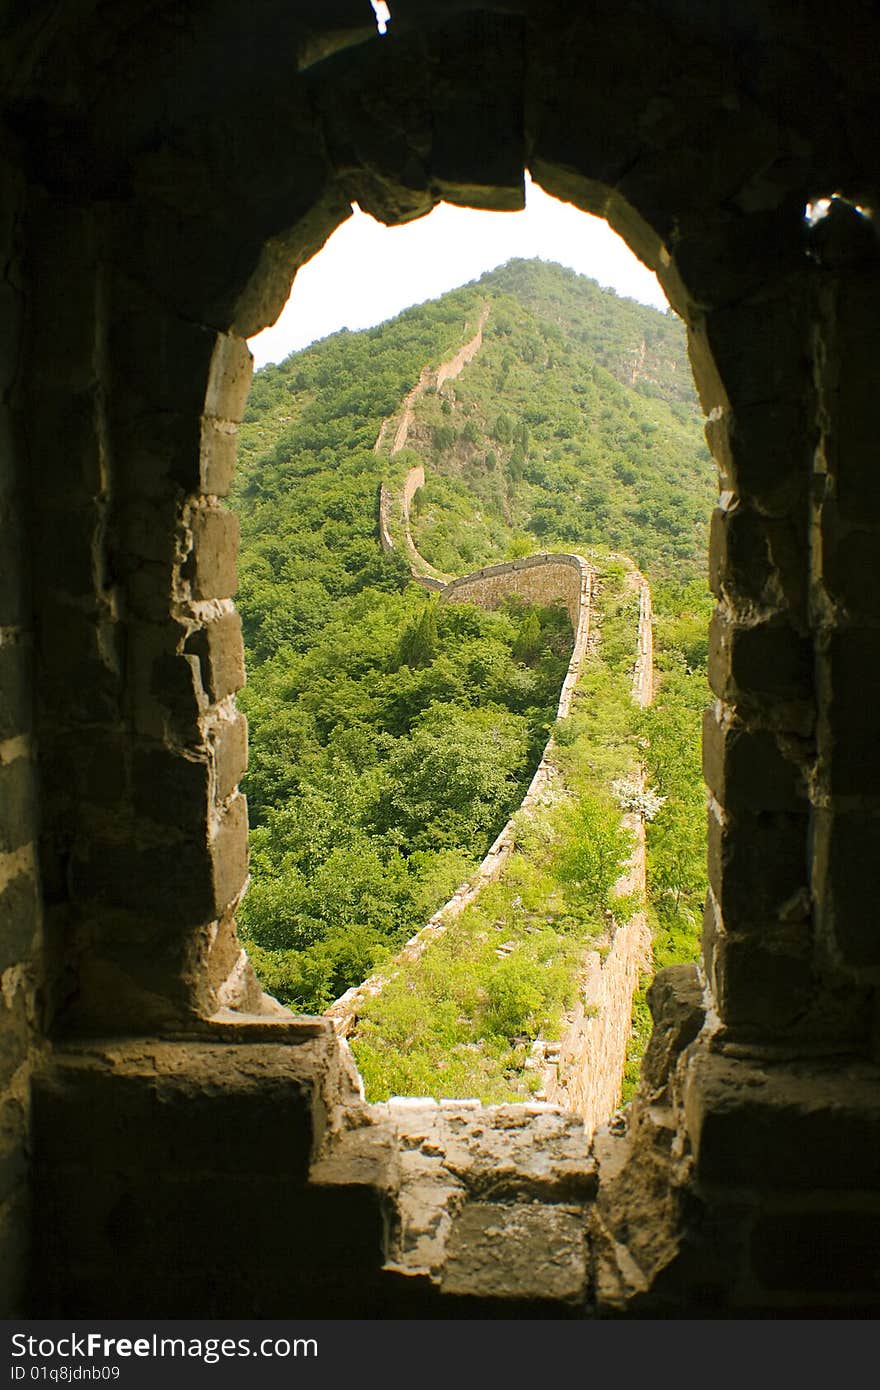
pixel 162 228
pixel 542 579
pixel 22 997
pixel 584 1072
pixel 344 1012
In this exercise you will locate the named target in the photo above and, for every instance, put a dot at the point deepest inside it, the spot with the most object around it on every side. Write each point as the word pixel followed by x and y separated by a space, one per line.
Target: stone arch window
pixel 158 243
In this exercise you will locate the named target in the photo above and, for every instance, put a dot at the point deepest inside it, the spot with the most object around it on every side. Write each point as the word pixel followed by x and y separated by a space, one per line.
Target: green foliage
pixel 390 736
pixel 459 1021
pixel 420 640
pixel 592 852
pixel 596 428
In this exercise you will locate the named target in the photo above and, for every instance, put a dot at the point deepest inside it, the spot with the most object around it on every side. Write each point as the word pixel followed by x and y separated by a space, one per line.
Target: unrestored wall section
pixel 345 1011
pixel 584 1072
pixel 541 579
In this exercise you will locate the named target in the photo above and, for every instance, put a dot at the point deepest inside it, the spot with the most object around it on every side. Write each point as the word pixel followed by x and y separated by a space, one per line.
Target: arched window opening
pixel 466 903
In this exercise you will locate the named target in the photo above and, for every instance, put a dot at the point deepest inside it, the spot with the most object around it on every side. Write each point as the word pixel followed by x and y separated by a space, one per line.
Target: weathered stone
pixel 794 1127
pixel 230 755
pixel 219 647
pixel 771 445
pixel 17 804
pixel 13 582
pixel 19 919
pixel 215 547
pixel 758 867
pixel 675 998
pixel 854 463
pixel 170 786
pixel 128 245
pixel 763 983
pixel 217 457
pixel 15 689
pixel 846 561
pixel 833 1252
pixel 847 868
pixel 747 770
pixel 852 749
pixel 767 659
pixel 229 378
pixel 184 882
pixel 511 1250
pixel 230 854
pixel 88 770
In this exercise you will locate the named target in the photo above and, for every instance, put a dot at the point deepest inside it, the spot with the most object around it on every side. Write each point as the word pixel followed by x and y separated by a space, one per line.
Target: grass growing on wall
pixel 676 839
pixel 460 1021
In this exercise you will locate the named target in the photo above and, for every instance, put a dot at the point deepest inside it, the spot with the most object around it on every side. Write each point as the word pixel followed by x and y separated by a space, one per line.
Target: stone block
pixel 229 378
pixel 815 1252
pixel 68 538
pixel 171 786
pixel 78 647
pixel 747 770
pixel 739 553
pixel 65 309
pixel 847 872
pixel 10 338
pixel 66 449
pixel 163 689
pixel 171 882
pixel 160 362
pixel 148 529
pixel 13 585
pixel 215 553
pixel 16 689
pixel 761 350
pixel 15 1242
pixel 771 446
pixel 230 854
pixel 176 881
pixel 19 919
pixel 162 1108
pixel 161 449
pixel 754 559
pixel 88 768
pixel 854 462
pixel 675 998
pixel 220 650
pixel 768 659
pixel 723 263
pixel 16 1033
pixel 516 1251
pixel 17 804
pixel 851 749
pixel 758 867
pixel 229 741
pixel 849 566
pixel 217 457
pixel 763 983
pixel 796 1127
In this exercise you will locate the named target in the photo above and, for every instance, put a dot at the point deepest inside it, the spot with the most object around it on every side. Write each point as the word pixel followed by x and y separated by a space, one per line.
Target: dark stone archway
pixel 160 197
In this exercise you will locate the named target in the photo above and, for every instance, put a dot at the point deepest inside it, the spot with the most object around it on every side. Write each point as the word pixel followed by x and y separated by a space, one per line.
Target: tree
pixel 419 640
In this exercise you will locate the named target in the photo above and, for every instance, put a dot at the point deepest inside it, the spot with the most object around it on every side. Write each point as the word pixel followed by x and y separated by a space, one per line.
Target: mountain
pixel 390 736
pixel 576 424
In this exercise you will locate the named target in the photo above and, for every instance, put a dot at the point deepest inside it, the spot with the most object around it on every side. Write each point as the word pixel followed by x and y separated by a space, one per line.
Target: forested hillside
pixel 576 424
pixel 390 735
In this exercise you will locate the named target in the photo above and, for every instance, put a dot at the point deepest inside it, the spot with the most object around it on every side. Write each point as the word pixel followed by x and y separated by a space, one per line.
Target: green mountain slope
pixel 391 737
pixel 577 424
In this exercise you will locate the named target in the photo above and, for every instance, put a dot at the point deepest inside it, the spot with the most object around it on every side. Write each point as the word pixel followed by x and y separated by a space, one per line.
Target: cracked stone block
pixel 517 1251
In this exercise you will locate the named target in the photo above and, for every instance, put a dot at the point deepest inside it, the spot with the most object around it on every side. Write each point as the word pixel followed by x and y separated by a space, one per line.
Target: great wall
pixel 581 1074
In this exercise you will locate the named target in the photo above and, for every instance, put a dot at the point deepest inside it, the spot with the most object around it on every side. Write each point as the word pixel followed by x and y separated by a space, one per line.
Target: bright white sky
pixel 367 273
